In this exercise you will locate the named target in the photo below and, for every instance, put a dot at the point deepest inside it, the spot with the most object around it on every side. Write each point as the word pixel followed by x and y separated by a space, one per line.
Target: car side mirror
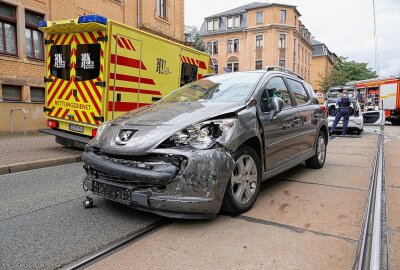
pixel 276 107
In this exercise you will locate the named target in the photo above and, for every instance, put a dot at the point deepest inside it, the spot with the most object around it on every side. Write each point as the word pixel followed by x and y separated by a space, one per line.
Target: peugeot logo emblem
pixel 124 135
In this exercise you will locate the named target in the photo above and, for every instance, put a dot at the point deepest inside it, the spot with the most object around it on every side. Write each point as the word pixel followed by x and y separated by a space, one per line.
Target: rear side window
pixel 60 61
pixel 87 61
pixel 299 92
pixel 276 87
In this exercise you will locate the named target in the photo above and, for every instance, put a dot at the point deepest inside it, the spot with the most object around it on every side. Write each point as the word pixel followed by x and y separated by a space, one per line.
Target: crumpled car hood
pixel 157 123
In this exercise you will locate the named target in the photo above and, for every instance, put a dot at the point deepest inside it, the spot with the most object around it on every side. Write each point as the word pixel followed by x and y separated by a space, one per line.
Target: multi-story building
pixel 22 65
pixel 257 35
pixel 322 62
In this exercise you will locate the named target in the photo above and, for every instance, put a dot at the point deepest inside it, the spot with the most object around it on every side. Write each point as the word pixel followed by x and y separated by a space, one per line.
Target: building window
pixel 37 94
pixel 213 25
pixel 8 35
pixel 259 64
pixel 282 41
pixel 33 37
pixel 259 42
pixel 259 17
pixel 233 64
pixel 233 22
pixel 233 45
pixel 11 93
pixel 212 47
pixel 283 15
pixel 214 63
pixel 162 9
pixel 282 63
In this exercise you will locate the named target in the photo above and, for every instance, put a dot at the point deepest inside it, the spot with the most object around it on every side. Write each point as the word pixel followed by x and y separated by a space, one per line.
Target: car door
pixel 307 120
pixel 278 131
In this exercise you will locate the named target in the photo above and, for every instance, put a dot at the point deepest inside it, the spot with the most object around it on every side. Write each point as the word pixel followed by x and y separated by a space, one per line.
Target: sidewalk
pixel 36 150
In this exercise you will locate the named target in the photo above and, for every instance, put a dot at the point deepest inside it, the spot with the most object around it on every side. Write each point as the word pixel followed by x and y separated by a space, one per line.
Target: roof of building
pixel 315 42
pixel 243 9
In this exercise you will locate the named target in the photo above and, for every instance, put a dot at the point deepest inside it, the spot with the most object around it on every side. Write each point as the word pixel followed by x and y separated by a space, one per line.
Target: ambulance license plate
pixel 76 128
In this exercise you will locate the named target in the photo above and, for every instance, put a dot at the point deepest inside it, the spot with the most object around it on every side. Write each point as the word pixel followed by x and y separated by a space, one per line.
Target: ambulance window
pixel 60 61
pixel 87 61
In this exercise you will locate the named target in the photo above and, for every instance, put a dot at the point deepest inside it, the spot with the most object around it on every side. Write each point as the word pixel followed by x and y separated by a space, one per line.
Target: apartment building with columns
pixel 22 64
pixel 257 35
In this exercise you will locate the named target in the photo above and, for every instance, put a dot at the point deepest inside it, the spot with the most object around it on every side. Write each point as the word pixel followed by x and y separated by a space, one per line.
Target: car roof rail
pixel 276 68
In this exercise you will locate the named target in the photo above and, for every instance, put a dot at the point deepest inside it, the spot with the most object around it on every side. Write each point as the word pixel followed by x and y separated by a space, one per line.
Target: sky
pixel 345 26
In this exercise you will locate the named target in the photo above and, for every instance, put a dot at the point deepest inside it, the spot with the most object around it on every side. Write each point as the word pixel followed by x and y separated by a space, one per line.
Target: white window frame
pixel 262 17
pixel 282 45
pixel 162 9
pixel 233 20
pixel 283 11
pixel 212 52
pixel 262 42
pixel 231 64
pixel 232 48
pixel 213 25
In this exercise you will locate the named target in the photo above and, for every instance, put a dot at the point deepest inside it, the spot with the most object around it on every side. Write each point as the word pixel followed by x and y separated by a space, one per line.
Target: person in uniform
pixel 344 104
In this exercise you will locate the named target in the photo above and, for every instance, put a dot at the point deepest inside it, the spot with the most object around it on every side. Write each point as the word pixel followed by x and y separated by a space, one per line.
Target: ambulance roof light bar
pixel 42 23
pixel 92 18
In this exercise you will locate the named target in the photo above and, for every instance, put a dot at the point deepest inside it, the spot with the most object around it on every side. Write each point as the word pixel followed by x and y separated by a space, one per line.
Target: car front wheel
pixel 245 181
pixel 318 160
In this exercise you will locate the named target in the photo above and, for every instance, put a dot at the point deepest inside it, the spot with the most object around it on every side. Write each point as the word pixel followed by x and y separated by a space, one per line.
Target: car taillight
pixel 52 124
pixel 94 132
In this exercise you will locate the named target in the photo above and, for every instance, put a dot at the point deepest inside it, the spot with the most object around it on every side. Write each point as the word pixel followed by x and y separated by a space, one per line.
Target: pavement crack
pixel 42 208
pixel 392 186
pixel 327 185
pixel 292 228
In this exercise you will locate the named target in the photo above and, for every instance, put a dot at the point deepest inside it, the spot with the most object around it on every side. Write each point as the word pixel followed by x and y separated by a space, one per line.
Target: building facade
pixel 22 64
pixel 322 62
pixel 257 35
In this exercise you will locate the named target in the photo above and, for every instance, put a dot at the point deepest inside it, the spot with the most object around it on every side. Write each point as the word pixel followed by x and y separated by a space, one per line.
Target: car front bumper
pixel 169 182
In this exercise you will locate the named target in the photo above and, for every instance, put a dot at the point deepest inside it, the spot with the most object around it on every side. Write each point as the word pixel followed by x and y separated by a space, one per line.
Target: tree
pixel 346 71
pixel 199 43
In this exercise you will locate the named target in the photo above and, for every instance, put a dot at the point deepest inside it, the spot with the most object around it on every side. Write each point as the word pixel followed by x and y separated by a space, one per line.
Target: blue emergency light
pixel 92 18
pixel 42 23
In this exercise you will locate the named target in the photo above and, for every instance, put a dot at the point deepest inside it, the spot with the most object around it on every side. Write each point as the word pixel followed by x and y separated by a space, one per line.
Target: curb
pixel 31 165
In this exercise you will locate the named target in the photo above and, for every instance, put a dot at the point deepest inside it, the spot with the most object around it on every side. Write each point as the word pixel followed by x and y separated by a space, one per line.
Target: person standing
pixel 344 104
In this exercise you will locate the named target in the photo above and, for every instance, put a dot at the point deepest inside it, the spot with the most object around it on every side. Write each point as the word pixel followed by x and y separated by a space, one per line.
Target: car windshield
pixel 232 87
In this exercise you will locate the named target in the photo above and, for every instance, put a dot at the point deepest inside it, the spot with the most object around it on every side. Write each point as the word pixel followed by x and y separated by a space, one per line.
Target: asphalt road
pixel 43 224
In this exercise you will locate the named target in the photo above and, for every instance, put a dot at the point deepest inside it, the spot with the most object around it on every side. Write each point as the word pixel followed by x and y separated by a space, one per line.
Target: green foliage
pixel 199 44
pixel 345 71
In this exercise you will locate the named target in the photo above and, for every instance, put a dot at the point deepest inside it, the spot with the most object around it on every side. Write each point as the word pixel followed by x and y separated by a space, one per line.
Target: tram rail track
pixel 371 252
pixel 110 249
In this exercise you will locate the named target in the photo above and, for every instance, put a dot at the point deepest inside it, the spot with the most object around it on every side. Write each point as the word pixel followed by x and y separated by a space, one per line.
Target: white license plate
pixel 76 128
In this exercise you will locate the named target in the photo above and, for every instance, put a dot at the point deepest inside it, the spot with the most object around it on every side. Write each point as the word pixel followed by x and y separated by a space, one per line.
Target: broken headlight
pixel 202 135
pixel 100 130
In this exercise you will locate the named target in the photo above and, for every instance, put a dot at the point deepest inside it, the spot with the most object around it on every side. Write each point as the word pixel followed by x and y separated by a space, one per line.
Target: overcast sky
pixel 345 26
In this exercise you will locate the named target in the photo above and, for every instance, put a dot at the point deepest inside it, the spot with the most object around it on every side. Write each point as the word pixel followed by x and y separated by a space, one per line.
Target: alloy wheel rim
pixel 244 179
pixel 321 149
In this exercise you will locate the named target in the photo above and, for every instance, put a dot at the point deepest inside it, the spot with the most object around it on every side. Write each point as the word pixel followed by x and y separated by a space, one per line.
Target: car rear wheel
pixel 244 185
pixel 359 131
pixel 318 160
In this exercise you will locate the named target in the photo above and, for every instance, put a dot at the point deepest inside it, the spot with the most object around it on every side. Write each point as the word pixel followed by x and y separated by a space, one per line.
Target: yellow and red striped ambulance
pixel 98 69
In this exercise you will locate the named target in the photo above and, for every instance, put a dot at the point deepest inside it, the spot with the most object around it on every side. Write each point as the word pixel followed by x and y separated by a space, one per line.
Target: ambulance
pixel 98 69
pixel 380 95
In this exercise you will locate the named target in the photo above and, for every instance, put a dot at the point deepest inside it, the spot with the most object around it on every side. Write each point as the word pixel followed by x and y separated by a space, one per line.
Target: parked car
pixel 356 120
pixel 208 145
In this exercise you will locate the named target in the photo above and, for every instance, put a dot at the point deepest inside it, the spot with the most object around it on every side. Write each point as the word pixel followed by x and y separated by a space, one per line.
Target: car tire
pixel 395 122
pixel 318 160
pixel 244 185
pixel 360 131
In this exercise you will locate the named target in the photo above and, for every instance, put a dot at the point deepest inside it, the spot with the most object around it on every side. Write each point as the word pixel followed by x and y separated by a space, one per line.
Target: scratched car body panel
pixel 181 156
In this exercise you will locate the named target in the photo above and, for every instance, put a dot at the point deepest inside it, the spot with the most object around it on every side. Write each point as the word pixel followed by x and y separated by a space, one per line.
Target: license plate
pixel 112 192
pixel 76 128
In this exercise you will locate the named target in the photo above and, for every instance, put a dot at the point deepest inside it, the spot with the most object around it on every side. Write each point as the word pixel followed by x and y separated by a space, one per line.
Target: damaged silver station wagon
pixel 208 145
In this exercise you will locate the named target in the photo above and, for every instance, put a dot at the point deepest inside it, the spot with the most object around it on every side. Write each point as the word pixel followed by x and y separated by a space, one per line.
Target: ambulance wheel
pixel 395 122
pixel 318 160
pixel 359 131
